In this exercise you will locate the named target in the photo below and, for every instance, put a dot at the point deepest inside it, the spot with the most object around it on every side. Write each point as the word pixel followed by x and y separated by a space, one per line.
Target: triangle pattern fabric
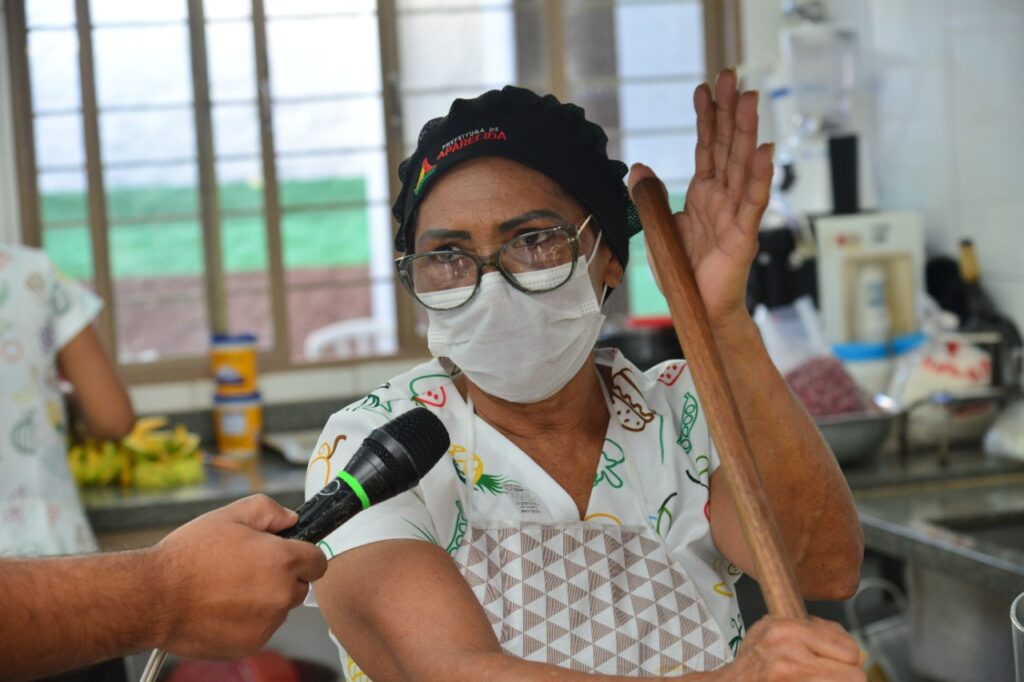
pixel 606 600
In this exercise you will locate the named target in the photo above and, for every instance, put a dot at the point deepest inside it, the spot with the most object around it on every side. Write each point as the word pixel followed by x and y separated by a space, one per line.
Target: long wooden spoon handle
pixel 690 319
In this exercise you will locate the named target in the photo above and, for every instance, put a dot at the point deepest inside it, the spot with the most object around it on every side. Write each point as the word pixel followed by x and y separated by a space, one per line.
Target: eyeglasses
pixel 533 262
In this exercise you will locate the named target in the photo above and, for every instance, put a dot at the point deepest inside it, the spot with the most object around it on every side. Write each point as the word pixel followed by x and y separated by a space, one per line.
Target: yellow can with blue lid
pixel 238 424
pixel 233 363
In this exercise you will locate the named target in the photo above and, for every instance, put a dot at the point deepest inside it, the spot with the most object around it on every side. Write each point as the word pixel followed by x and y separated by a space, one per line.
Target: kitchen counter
pixel 124 519
pixel 112 509
pixel 950 518
pixel 959 531
pixel 971 528
pixel 898 508
pixel 887 471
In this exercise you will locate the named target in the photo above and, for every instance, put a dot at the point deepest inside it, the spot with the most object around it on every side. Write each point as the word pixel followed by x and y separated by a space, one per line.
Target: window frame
pixel 721 36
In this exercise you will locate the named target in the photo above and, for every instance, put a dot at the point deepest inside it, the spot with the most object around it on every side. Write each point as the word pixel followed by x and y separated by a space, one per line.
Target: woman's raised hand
pixel 726 197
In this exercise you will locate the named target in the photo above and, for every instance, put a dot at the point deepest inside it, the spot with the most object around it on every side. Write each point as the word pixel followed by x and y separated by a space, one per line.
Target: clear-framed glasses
pixel 533 262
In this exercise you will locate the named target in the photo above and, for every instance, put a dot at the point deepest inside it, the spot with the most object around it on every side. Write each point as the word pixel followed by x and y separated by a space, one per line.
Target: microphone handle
pixel 366 479
pixel 325 511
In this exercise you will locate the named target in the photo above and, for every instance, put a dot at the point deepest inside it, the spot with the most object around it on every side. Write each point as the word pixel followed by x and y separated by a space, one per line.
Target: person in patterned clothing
pixel 578 525
pixel 45 331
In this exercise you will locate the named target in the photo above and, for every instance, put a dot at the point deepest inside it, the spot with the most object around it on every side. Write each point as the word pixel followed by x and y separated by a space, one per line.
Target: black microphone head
pixel 391 460
pixel 422 435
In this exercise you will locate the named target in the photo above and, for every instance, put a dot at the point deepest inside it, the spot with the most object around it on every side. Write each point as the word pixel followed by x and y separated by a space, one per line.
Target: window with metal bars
pixel 228 165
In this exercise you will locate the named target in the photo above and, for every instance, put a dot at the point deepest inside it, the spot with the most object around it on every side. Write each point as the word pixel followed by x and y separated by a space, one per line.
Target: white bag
pixel 943 364
pixel 1006 437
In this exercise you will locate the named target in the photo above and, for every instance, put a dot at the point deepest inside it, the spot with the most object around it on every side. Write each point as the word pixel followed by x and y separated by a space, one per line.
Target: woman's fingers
pixel 725 119
pixel 796 649
pixel 743 145
pixel 832 642
pixel 704 105
pixel 758 190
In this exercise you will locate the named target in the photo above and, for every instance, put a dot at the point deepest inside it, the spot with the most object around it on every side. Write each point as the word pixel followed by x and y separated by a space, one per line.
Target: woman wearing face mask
pixel 578 525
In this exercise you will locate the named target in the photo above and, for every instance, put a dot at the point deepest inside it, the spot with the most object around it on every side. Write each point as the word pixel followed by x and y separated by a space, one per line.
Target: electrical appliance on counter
pixel 867 264
pixel 819 105
pixel 820 108
pixel 785 266
pixel 870 270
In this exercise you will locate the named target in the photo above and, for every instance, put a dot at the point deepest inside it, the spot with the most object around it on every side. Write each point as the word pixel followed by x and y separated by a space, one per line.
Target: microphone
pixel 391 460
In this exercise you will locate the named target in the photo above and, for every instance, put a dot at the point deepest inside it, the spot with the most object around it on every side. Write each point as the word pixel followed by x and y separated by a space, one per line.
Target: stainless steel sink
pixel 1005 530
pixel 960 631
pixel 963 542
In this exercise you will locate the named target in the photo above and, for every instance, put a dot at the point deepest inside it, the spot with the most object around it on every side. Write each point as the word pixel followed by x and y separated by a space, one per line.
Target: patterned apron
pixel 588 596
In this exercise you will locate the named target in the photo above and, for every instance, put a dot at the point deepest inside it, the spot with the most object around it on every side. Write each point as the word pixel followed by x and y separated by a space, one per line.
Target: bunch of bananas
pixel 99 463
pixel 148 457
pixel 163 459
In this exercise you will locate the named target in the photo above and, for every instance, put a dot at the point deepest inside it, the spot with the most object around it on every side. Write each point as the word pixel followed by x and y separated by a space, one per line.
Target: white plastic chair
pixel 357 337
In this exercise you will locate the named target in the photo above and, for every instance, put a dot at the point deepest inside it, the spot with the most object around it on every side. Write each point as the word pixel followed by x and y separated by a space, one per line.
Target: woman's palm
pixel 726 197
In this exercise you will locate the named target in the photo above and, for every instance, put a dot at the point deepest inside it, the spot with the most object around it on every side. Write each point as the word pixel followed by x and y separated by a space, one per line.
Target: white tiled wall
pixel 950 75
pixel 950 118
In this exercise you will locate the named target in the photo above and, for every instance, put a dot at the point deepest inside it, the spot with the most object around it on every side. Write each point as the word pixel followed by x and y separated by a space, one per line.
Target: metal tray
pixel 857 438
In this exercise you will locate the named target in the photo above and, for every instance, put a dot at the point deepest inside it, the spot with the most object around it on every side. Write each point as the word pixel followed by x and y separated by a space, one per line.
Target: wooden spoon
pixel 690 319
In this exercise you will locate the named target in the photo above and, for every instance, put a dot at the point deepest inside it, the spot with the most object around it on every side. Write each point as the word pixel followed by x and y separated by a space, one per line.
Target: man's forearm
pixel 806 488
pixel 61 613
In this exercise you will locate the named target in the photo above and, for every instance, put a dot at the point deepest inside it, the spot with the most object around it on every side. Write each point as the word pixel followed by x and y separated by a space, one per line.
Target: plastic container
pixel 233 362
pixel 871 364
pixel 872 321
pixel 237 424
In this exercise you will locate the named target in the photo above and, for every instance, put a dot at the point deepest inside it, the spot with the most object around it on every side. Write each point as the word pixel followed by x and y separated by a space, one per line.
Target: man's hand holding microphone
pixel 228 582
pixel 216 588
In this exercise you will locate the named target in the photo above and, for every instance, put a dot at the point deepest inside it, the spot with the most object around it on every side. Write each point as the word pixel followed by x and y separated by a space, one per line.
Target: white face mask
pixel 517 346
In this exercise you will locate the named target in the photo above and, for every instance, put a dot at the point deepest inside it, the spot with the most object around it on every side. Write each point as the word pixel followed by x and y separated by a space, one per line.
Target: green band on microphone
pixel 356 486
